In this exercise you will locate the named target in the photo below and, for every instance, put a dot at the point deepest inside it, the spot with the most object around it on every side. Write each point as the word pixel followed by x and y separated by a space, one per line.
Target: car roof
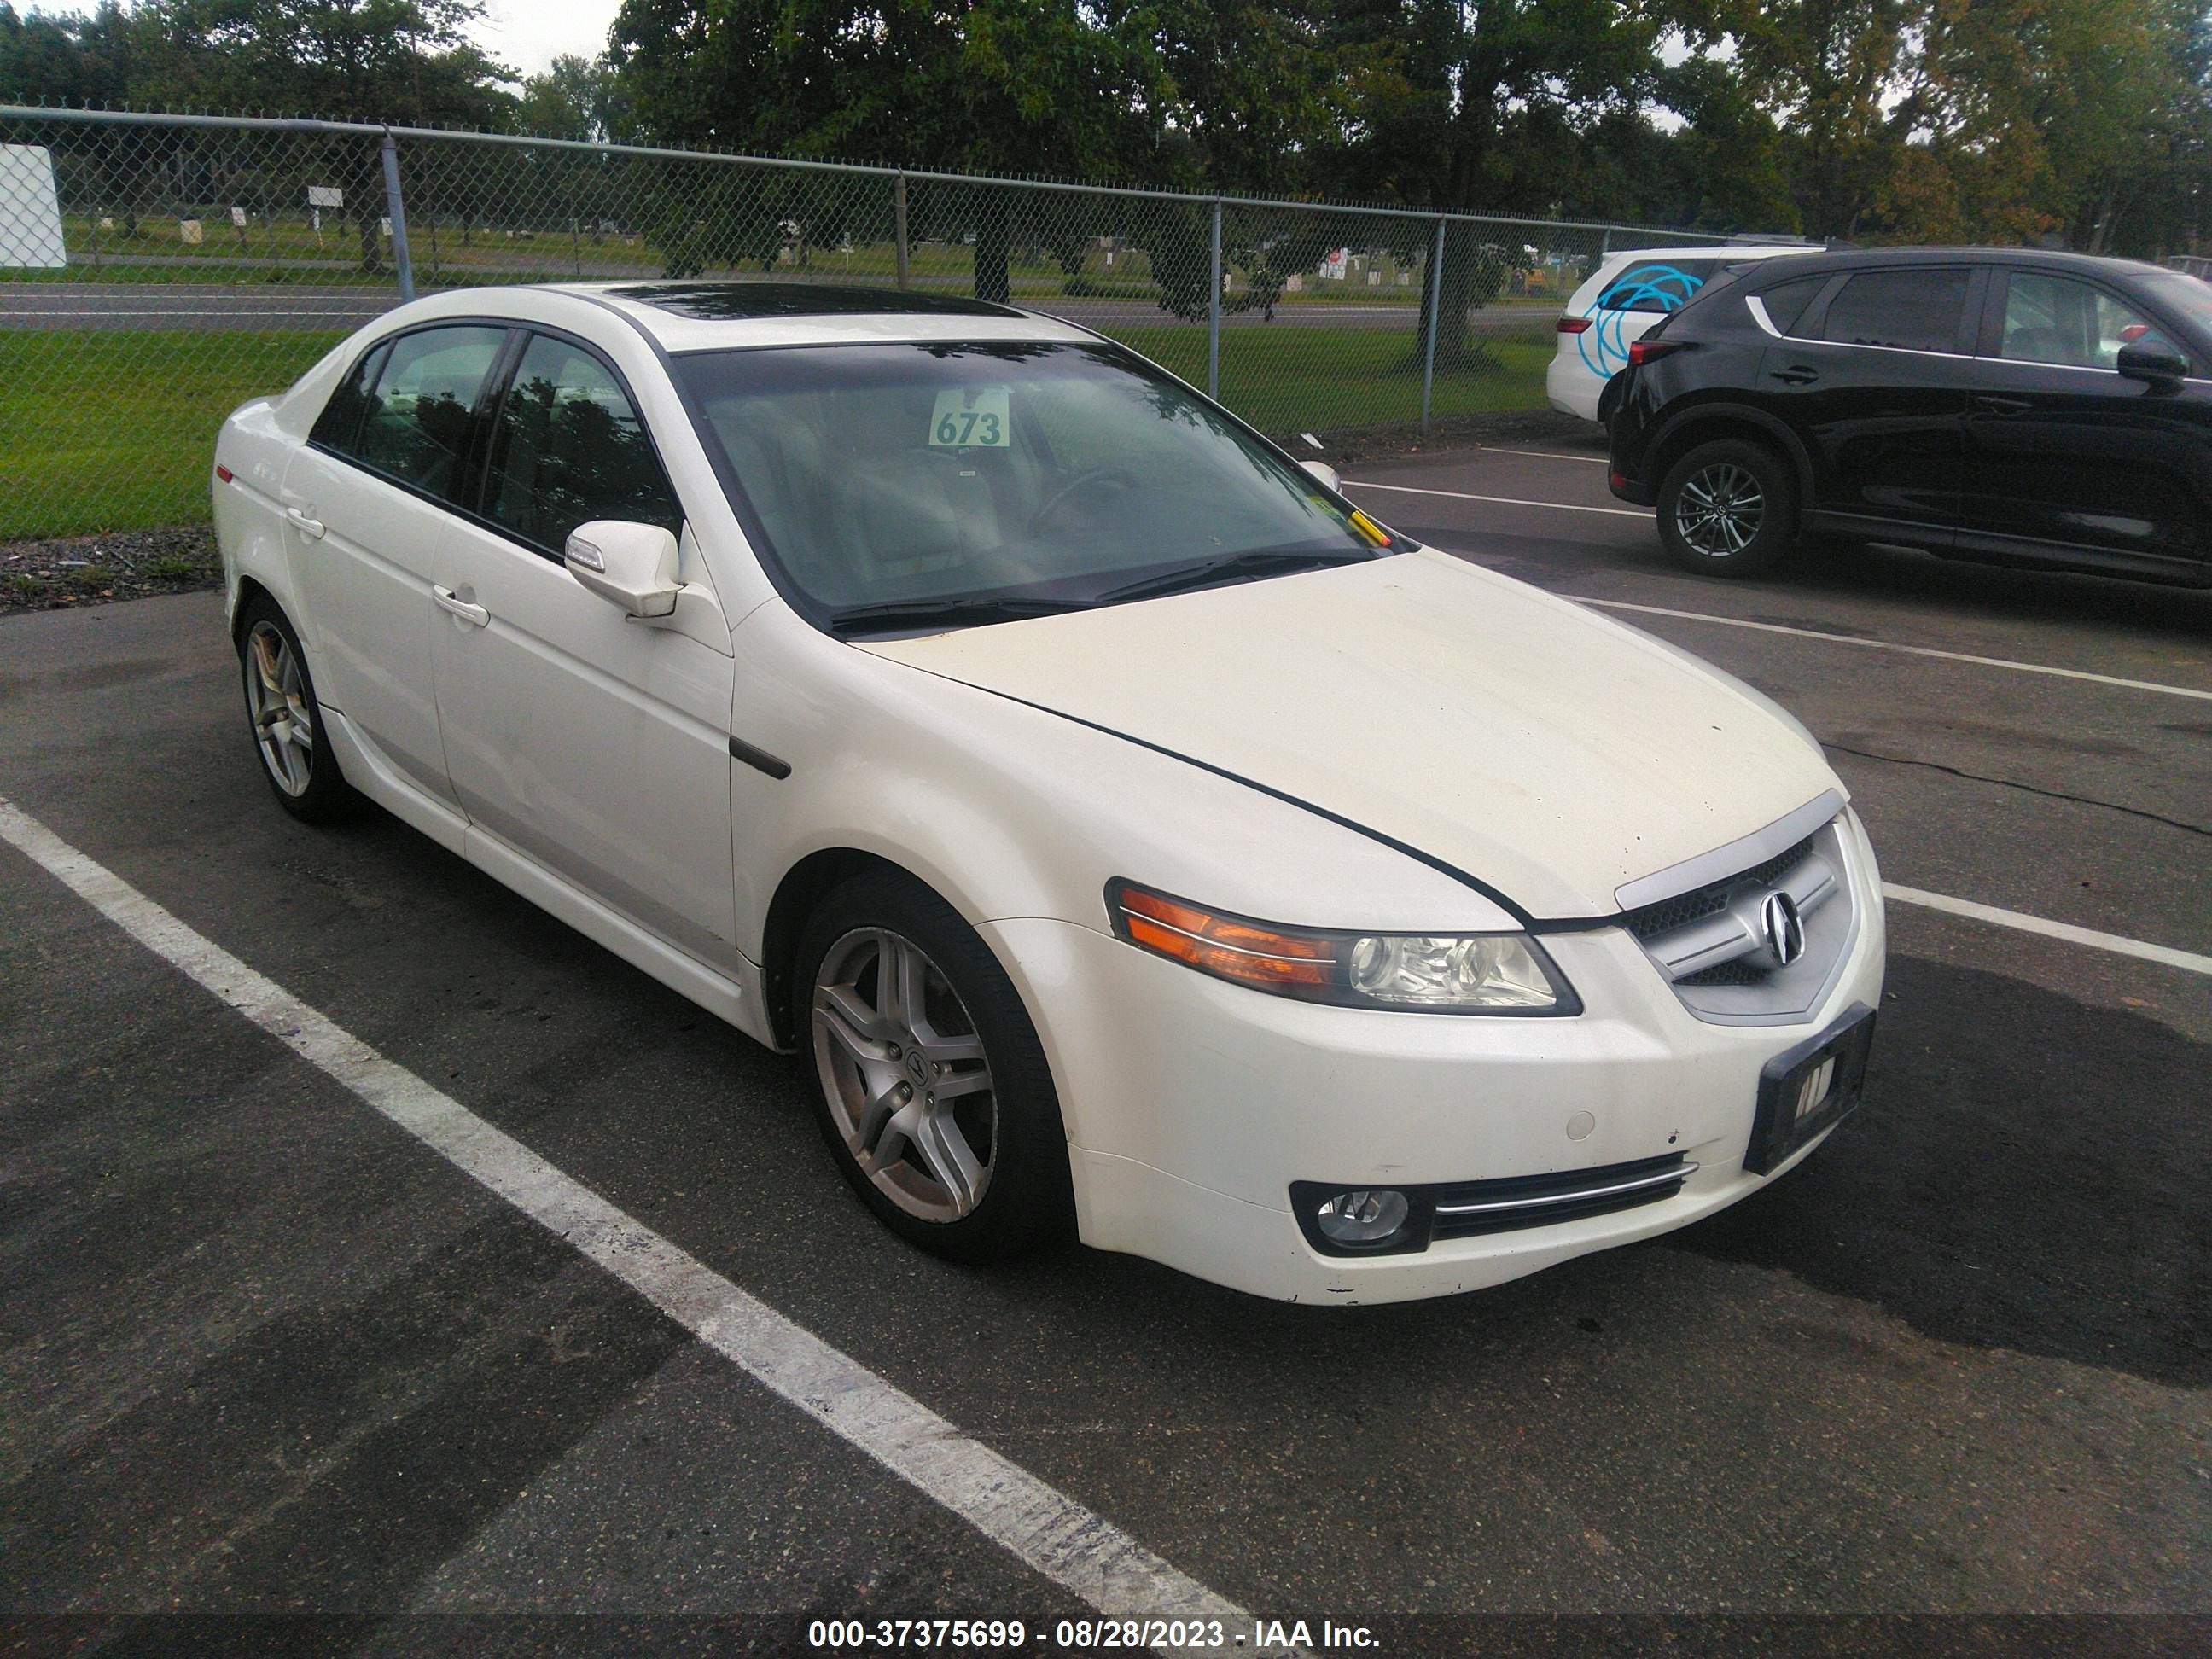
pixel 2054 259
pixel 1720 251
pixel 709 316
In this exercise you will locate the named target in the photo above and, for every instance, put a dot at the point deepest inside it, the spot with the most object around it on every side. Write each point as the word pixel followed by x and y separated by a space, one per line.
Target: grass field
pixel 1290 379
pixel 104 430
pixel 108 430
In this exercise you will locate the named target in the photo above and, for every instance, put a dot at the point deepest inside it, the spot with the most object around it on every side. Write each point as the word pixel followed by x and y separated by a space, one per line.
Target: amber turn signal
pixel 1226 945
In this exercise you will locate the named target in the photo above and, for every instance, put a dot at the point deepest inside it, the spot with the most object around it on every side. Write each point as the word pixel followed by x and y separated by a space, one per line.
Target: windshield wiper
pixel 1263 562
pixel 946 613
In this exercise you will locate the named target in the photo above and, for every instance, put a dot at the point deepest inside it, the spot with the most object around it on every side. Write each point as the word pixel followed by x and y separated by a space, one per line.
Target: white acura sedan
pixel 1139 841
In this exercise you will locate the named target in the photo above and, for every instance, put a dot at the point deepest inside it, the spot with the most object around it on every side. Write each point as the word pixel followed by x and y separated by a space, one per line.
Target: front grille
pixel 1744 970
pixel 1711 943
pixel 1664 917
pixel 1517 1201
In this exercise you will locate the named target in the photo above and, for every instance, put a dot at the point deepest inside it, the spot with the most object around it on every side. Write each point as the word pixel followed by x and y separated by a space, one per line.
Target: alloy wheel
pixel 1721 510
pixel 276 699
pixel 904 1072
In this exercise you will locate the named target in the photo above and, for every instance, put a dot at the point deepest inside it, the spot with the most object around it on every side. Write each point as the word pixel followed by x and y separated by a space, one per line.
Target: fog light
pixel 1362 1216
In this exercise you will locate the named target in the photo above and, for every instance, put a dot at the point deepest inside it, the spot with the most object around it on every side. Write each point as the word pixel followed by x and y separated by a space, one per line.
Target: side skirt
pixel 737 999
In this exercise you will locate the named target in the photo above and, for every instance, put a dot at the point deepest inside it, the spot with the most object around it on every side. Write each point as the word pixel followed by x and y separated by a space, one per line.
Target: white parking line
pixel 1908 650
pixel 1544 455
pixel 2188 960
pixel 1504 501
pixel 1045 1529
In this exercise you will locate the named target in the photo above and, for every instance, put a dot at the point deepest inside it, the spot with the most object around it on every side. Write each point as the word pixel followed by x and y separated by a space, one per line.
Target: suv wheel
pixel 1729 508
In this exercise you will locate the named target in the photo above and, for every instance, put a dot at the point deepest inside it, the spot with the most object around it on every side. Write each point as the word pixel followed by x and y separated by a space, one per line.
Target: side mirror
pixel 632 566
pixel 1326 473
pixel 2153 361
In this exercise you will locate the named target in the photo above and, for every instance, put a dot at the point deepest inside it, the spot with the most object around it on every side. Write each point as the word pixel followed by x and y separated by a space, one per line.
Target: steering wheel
pixel 1097 475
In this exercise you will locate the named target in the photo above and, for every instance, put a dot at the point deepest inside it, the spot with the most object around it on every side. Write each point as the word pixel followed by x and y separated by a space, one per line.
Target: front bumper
pixel 1192 1105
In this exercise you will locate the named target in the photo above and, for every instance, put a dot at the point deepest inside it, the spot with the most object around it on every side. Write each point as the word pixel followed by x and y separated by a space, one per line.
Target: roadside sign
pixel 30 211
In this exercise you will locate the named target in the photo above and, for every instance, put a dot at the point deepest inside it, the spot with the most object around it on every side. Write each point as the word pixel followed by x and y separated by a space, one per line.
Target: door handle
pixel 1797 374
pixel 475 615
pixel 1990 405
pixel 311 528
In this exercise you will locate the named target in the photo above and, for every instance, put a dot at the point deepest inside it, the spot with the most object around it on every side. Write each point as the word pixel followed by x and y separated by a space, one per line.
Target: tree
pixel 97 60
pixel 400 62
pixel 571 99
pixel 1470 106
pixel 1035 86
pixel 1829 73
pixel 383 62
pixel 2060 116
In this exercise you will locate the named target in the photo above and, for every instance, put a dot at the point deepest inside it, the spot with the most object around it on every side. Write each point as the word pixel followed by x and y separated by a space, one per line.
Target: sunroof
pixel 717 303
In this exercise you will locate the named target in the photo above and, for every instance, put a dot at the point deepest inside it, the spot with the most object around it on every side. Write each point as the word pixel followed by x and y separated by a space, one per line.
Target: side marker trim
pixel 759 759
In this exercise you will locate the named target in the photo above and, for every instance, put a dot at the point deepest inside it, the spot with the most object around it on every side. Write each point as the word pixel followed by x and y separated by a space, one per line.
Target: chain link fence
pixel 156 271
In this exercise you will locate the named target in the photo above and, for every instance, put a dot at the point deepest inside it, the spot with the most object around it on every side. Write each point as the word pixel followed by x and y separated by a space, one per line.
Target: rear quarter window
pixel 1656 285
pixel 338 426
pixel 1786 303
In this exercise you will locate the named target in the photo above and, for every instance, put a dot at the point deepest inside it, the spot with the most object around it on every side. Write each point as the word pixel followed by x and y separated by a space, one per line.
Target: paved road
pixel 264 1351
pixel 220 307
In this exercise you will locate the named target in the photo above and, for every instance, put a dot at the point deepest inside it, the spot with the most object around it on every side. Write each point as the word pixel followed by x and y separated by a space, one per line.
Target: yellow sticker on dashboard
pixel 971 418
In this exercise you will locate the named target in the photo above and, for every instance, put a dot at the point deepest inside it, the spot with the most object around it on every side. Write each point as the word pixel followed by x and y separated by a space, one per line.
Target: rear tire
pixel 285 720
pixel 929 1083
pixel 1729 508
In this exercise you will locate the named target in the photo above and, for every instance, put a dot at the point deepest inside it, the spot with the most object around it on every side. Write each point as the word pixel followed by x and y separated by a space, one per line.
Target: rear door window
pixel 415 426
pixel 1914 310
pixel 569 448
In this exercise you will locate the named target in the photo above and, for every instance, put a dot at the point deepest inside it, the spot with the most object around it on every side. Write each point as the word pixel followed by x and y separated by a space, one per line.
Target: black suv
pixel 2012 406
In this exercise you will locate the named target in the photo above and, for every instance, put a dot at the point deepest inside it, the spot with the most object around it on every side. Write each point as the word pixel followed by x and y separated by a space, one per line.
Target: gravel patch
pixel 125 564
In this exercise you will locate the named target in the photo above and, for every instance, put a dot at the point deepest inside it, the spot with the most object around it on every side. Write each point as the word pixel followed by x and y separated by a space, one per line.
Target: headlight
pixel 1445 973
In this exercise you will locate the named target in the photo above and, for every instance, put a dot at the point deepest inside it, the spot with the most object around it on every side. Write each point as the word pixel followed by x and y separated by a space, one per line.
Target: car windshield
pixel 1030 476
pixel 2190 295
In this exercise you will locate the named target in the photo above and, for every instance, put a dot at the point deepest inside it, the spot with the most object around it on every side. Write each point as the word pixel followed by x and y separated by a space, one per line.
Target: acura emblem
pixel 1784 929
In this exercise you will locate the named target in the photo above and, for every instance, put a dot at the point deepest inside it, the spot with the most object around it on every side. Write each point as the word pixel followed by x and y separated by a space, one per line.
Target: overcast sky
pixel 529 34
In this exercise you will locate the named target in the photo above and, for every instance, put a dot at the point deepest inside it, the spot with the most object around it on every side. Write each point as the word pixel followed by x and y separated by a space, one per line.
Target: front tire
pixel 1729 508
pixel 929 1083
pixel 284 718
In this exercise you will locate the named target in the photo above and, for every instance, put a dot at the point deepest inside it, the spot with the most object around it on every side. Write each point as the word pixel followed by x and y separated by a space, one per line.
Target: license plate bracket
pixel 1809 1090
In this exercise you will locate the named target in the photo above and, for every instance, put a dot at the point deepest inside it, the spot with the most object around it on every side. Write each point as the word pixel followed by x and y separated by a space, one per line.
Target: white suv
pixel 1629 291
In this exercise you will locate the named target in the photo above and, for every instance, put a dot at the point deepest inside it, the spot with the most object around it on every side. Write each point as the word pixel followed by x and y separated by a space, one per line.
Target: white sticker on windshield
pixel 970 417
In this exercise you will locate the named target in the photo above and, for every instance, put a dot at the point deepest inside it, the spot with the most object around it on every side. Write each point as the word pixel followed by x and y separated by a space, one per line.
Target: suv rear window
pixel 1656 285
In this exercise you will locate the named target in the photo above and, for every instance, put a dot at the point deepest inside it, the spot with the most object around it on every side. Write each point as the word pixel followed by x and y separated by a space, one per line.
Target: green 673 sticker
pixel 973 417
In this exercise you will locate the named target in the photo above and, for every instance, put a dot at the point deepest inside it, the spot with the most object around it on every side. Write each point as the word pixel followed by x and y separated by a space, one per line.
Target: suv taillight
pixel 1574 325
pixel 1641 352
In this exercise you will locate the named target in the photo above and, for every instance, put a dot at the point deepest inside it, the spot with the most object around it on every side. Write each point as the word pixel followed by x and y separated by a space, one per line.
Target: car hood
pixel 1547 751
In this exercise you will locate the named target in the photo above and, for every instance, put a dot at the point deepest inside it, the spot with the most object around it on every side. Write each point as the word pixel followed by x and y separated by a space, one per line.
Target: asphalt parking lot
pixel 267 1351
